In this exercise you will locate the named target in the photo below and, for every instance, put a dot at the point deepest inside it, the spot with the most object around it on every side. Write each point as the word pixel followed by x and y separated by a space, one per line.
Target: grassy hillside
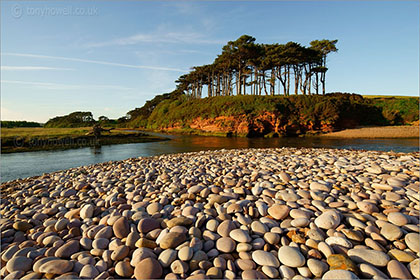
pixel 335 110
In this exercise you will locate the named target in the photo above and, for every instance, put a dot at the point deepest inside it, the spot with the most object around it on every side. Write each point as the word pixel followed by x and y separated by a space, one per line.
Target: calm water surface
pixel 22 165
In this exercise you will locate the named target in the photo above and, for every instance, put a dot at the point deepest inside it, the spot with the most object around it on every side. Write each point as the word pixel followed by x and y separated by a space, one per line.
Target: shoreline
pixel 219 151
pixel 389 153
pixel 377 132
pixel 269 213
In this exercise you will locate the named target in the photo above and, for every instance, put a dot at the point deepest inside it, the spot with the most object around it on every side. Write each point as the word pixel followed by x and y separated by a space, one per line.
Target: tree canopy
pixel 245 67
pixel 10 124
pixel 75 119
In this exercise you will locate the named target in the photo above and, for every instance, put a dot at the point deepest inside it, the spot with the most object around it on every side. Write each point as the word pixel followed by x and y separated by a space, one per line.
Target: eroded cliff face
pixel 266 123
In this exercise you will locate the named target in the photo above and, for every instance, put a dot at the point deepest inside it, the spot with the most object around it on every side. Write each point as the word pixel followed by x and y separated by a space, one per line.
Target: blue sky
pixel 110 57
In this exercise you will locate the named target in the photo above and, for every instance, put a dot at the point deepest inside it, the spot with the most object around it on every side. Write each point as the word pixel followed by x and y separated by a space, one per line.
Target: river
pixel 22 165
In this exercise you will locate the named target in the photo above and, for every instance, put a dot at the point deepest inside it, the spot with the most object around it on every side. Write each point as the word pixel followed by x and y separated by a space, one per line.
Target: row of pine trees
pixel 245 67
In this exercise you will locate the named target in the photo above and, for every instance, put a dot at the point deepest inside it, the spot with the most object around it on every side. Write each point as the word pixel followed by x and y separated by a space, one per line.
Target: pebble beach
pixel 289 213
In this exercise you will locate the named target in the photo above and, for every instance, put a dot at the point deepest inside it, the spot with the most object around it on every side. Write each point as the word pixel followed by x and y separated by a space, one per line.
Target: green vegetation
pixel 10 124
pixel 308 112
pixel 81 119
pixel 138 117
pixel 104 121
pixel 398 110
pixel 300 110
pixel 251 68
pixel 34 139
pixel 75 119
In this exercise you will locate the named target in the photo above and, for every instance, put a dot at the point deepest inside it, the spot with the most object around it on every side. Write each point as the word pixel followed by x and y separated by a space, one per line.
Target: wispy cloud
pixel 31 68
pixel 94 61
pixel 158 37
pixel 147 54
pixel 193 9
pixel 56 86
pixel 183 7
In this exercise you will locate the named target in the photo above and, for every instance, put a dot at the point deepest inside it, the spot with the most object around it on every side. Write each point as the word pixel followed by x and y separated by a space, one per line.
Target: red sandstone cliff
pixel 263 124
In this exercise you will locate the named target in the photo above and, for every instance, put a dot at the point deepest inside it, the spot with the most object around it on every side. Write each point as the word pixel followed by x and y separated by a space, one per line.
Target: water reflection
pixel 21 165
pixel 97 149
pixel 200 143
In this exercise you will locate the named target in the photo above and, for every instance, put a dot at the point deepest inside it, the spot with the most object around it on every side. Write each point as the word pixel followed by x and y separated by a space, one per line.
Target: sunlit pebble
pixel 218 214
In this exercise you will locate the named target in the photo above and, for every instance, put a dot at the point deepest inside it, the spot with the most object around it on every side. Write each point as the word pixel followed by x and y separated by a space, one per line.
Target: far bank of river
pixel 377 132
pixel 32 141
pixel 26 164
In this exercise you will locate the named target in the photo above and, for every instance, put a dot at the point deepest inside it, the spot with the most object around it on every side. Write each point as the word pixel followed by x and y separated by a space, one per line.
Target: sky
pixel 109 57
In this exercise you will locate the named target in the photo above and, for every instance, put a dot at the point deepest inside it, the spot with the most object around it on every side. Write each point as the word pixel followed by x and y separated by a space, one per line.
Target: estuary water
pixel 27 164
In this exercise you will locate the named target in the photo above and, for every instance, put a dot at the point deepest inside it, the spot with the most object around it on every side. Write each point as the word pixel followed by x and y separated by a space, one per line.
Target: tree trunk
pixel 282 81
pixel 309 80
pixel 297 80
pixel 288 80
pixel 229 84
pixel 264 84
pixel 208 90
pixel 213 80
pixel 272 81
pixel 240 82
pixel 252 84
pixel 222 85
pixel 302 85
pixel 244 84
pixel 257 82
pixel 323 74
pixel 237 83
pixel 304 82
pixel 323 82
pixel 218 84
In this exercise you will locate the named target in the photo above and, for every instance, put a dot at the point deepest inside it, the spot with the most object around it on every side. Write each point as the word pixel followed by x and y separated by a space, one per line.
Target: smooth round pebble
pixel 291 256
pixel 339 274
pixel 148 268
pixel 19 264
pixel 330 219
pixel 265 258
pixel 225 244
